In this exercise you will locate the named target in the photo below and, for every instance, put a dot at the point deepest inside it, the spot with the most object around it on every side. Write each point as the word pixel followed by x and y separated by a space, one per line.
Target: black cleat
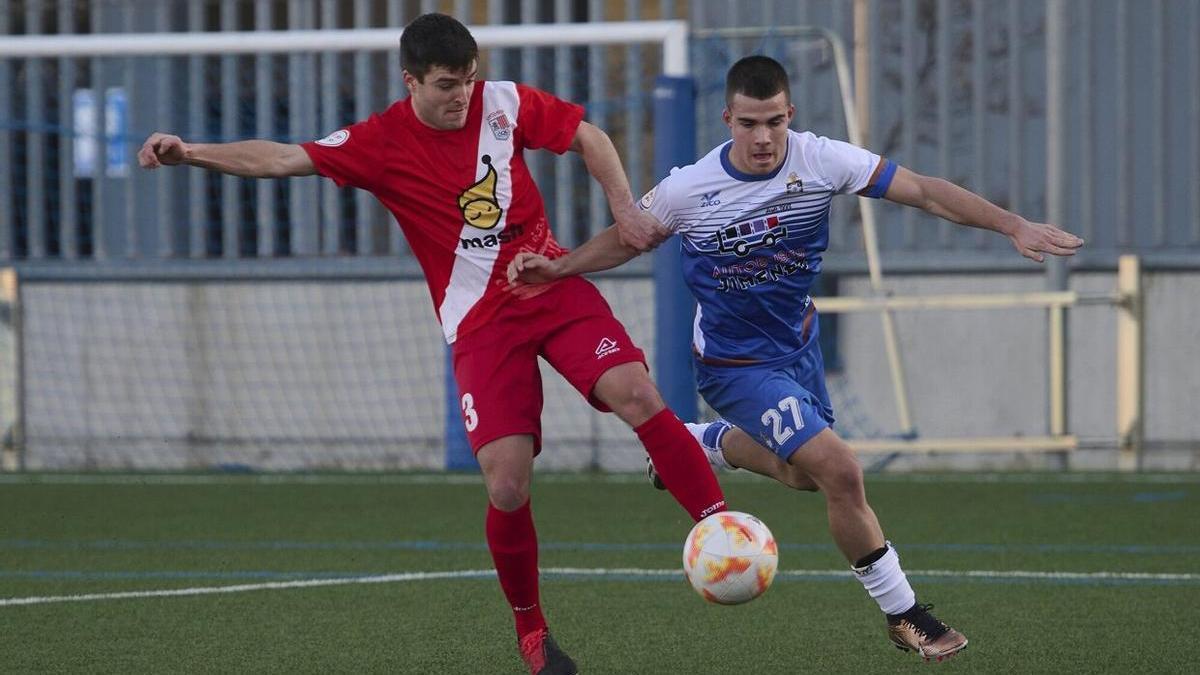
pixel 543 656
pixel 920 631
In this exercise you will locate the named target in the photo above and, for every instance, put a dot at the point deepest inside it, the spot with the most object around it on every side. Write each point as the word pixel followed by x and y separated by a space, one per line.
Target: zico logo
pixel 478 202
pixel 743 237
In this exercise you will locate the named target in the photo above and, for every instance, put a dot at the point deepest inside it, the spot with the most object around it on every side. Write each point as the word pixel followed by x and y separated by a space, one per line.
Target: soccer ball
pixel 730 558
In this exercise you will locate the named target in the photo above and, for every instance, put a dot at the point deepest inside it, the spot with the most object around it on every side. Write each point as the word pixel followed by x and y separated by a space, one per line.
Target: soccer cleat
pixel 920 631
pixel 708 435
pixel 543 656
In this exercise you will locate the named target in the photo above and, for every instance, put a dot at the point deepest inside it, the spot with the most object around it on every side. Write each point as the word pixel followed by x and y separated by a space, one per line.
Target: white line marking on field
pixel 242 588
pixel 579 572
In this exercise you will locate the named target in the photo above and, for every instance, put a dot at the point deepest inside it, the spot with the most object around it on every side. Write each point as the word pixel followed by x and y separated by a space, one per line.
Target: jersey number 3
pixel 470 417
pixel 774 419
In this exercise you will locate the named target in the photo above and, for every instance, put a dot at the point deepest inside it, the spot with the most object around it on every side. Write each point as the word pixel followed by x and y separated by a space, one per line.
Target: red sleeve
pixel 546 121
pixel 352 155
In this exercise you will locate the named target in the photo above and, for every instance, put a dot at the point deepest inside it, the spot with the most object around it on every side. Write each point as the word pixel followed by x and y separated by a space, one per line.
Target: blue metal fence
pixel 953 88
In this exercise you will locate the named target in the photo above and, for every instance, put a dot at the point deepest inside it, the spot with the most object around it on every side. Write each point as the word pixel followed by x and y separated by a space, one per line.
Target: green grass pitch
pixel 1044 573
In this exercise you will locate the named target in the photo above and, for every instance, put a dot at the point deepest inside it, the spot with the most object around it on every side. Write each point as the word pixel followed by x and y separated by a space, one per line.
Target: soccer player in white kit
pixel 753 220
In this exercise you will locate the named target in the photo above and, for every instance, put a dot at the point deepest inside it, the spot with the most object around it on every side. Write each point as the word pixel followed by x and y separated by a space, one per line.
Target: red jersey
pixel 464 198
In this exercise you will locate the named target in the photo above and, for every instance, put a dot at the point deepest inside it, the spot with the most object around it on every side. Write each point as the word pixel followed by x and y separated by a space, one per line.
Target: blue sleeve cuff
pixel 879 188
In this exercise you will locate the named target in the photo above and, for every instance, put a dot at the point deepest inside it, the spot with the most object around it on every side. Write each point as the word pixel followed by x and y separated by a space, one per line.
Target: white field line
pixel 567 478
pixel 578 572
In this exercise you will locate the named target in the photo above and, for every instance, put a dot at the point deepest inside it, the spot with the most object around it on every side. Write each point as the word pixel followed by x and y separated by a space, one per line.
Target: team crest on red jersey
pixel 501 127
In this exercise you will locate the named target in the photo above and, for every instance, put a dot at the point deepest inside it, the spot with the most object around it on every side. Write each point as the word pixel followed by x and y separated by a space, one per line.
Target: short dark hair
pixel 758 77
pixel 436 40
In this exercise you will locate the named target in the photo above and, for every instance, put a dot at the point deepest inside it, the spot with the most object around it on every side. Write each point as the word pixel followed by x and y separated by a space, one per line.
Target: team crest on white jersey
pixel 335 139
pixel 500 126
pixel 794 184
pixel 648 198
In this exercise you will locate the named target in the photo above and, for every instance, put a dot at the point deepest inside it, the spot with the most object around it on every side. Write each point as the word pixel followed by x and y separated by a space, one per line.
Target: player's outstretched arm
pixel 634 227
pixel 947 200
pixel 252 159
pixel 601 252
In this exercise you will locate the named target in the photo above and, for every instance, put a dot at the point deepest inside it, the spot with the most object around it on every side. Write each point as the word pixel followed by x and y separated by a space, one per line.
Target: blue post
pixel 674 307
pixel 458 451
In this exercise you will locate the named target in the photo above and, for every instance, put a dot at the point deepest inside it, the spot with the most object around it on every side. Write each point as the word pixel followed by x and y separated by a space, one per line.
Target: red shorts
pixel 499 384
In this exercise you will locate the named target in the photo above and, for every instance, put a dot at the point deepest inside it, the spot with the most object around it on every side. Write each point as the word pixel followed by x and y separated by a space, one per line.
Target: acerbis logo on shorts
pixel 606 347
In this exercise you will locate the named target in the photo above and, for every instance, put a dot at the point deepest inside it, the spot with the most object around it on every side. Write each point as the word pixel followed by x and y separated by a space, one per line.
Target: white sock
pixel 886 583
pixel 716 458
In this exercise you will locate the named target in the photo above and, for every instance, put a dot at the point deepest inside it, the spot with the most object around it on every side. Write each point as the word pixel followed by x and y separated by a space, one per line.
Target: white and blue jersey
pixel 752 244
pixel 752 247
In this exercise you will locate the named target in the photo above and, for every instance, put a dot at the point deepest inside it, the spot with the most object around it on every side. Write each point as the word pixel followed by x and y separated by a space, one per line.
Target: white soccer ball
pixel 730 558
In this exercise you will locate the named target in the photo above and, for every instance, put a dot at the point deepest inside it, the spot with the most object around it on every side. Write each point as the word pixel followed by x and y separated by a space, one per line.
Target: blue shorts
pixel 780 406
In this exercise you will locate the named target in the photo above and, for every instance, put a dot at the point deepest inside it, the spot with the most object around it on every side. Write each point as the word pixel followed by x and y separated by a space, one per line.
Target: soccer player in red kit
pixel 448 162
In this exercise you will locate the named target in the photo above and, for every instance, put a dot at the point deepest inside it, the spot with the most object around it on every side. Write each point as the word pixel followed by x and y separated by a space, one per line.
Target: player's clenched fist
pixel 161 149
pixel 532 268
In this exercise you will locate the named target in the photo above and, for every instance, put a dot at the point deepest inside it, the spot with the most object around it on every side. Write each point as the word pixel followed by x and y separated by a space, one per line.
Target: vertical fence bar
pixel 979 108
pixel 945 123
pixel 531 73
pixel 1130 362
pixel 1122 226
pixel 862 69
pixel 908 135
pixel 331 212
pixel 1058 371
pixel 12 454
pixel 1194 125
pixel 131 180
pixel 395 87
pixel 231 219
pixel 1016 109
pixel 68 207
pixel 564 167
pixel 1083 169
pixel 1158 131
pixel 597 89
pixel 302 193
pixel 164 214
pixel 264 127
pixel 197 109
pixel 35 140
pixel 365 211
pixel 635 106
pixel 100 182
pixel 7 194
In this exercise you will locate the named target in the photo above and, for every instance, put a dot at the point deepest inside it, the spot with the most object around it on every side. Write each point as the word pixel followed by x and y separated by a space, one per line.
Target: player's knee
pixel 843 480
pixel 508 494
pixel 636 399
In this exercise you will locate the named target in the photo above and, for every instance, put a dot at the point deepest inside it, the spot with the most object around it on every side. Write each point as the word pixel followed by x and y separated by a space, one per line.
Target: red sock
pixel 681 464
pixel 513 543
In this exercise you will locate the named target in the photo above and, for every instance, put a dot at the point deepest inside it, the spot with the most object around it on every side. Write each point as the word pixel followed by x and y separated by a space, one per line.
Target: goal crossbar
pixel 672 35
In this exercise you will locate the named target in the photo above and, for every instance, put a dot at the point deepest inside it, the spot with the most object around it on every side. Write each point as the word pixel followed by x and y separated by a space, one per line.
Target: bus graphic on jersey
pixel 743 237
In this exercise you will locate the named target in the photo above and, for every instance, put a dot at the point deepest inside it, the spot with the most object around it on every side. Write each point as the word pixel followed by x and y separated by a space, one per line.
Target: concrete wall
pixel 284 375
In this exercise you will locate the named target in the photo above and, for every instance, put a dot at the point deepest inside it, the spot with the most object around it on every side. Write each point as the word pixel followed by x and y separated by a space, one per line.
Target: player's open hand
pixel 532 268
pixel 161 150
pixel 641 230
pixel 1032 240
